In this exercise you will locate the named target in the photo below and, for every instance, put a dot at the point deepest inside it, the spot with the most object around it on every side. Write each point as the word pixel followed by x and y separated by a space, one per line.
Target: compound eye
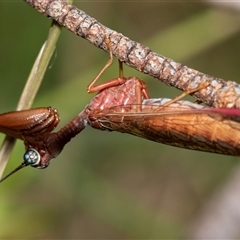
pixel 32 157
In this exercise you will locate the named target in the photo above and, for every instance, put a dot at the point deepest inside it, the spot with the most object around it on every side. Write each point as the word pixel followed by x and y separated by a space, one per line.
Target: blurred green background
pixel 112 185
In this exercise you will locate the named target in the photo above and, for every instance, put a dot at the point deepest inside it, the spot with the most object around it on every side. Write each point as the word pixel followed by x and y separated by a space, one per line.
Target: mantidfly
pixel 34 127
pixel 123 105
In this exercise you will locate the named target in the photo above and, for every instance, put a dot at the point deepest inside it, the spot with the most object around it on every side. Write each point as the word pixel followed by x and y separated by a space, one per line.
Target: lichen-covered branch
pixel 219 93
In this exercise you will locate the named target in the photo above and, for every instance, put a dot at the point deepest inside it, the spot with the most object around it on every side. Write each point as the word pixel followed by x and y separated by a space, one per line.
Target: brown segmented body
pixel 181 124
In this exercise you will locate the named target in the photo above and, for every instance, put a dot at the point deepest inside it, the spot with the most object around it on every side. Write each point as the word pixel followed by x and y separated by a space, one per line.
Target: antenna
pixel 31 158
pixel 15 170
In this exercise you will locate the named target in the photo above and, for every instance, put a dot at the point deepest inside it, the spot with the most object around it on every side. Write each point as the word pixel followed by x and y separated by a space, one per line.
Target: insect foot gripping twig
pixel 91 88
pixel 186 93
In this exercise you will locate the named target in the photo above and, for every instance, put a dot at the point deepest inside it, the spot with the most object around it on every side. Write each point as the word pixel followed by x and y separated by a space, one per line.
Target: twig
pixel 219 93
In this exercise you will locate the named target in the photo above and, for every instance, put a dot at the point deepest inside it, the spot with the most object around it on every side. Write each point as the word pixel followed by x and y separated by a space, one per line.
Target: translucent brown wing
pixel 181 124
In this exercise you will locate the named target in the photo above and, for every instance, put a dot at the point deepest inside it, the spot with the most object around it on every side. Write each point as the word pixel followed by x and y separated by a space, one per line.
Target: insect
pixel 123 105
pixel 34 127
